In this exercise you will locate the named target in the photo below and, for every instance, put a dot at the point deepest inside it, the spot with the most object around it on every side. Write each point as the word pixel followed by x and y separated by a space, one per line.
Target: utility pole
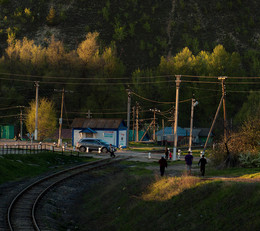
pixel 223 78
pixel 21 123
pixel 213 123
pixel 163 131
pixel 178 81
pixel 36 110
pixel 61 113
pixel 128 115
pixel 137 128
pixel 133 135
pixel 193 104
pixel 154 111
pixel 60 120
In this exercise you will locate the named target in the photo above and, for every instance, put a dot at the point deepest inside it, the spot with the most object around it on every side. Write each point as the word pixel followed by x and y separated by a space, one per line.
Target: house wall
pixel 117 138
pixel 122 138
pixel 107 135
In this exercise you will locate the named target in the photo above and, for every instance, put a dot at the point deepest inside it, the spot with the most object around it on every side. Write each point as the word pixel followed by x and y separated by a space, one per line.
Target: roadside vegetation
pixel 133 201
pixel 17 167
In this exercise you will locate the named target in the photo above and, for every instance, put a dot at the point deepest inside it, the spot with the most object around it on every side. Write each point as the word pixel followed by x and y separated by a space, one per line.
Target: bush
pixel 241 148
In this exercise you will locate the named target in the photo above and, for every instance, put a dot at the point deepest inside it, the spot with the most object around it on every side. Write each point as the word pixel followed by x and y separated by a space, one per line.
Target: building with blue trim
pixel 112 131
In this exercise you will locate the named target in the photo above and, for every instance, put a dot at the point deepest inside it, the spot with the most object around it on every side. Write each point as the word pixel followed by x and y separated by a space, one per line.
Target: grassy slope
pixel 15 167
pixel 132 201
pixel 136 199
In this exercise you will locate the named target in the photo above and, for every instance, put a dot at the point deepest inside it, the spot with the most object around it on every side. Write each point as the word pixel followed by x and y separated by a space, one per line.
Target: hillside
pixel 143 32
pixel 138 44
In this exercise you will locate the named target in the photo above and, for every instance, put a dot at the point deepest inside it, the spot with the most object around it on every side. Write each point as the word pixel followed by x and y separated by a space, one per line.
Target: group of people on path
pixel 188 159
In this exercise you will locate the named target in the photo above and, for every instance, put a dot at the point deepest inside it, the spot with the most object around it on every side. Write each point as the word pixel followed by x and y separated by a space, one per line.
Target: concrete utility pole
pixel 154 111
pixel 60 120
pixel 178 81
pixel 128 116
pixel 36 110
pixel 193 104
pixel 223 78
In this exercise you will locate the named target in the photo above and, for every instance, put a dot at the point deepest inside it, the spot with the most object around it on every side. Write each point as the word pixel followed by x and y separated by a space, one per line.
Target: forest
pixel 98 50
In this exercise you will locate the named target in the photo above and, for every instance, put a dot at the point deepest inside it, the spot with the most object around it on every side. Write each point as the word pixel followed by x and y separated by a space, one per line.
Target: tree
pixel 249 109
pixel 55 53
pixel 47 120
pixel 88 50
pixel 51 17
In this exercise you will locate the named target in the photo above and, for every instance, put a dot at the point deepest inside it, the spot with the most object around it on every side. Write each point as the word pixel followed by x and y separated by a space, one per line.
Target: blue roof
pixel 87 130
pixel 169 131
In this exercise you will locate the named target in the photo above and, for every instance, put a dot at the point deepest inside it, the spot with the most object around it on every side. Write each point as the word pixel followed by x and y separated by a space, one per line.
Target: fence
pixel 31 149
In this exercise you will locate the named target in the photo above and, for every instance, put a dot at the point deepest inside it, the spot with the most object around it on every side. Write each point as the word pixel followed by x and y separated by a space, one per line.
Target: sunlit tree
pixel 55 52
pixel 47 120
pixel 88 50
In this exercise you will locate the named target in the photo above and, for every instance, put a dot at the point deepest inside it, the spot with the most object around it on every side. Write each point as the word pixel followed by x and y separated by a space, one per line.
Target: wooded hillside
pixel 98 49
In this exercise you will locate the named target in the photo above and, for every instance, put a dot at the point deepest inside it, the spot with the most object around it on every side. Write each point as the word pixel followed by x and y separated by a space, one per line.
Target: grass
pixel 234 172
pixel 131 197
pixel 18 166
pixel 129 202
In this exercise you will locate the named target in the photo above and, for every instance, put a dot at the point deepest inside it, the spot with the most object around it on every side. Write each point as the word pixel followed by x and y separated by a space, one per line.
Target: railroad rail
pixel 21 214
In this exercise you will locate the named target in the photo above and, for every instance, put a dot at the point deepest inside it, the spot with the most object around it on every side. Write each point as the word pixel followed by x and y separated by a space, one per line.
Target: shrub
pixel 241 147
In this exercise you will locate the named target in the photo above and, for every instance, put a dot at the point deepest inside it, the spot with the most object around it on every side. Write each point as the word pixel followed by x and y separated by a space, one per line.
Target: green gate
pixel 7 131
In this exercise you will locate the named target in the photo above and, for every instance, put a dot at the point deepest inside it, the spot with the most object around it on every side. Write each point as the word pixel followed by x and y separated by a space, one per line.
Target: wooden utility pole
pixel 213 123
pixel 178 81
pixel 163 131
pixel 128 116
pixel 133 135
pixel 60 120
pixel 223 78
pixel 137 127
pixel 21 123
pixel 154 111
pixel 36 110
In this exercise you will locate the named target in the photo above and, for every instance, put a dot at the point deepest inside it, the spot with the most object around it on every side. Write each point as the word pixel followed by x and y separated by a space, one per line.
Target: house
pixel 199 135
pixel 167 135
pixel 112 131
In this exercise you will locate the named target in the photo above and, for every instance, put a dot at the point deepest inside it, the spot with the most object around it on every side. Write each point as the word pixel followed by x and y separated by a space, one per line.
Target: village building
pixel 113 131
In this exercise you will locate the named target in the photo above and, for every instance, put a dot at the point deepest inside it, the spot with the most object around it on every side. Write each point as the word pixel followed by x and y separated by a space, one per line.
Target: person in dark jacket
pixel 202 163
pixel 163 165
pixel 166 153
pixel 188 160
pixel 111 150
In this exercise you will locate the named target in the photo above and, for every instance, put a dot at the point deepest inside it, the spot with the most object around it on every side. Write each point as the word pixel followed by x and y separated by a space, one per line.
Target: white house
pixel 112 131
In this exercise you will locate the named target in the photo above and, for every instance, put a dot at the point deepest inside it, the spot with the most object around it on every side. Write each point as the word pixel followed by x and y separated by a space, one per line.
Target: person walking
pixel 166 153
pixel 163 165
pixel 202 163
pixel 188 160
pixel 111 150
pixel 170 155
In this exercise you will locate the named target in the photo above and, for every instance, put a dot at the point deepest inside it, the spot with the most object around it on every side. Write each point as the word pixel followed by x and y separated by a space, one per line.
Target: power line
pixel 62 77
pixel 11 107
pixel 9 116
pixel 213 77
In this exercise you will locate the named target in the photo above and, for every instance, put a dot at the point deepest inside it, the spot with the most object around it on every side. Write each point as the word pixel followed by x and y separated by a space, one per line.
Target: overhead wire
pixel 62 77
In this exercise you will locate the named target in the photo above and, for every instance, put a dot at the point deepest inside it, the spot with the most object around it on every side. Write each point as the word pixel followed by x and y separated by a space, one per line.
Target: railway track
pixel 21 213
